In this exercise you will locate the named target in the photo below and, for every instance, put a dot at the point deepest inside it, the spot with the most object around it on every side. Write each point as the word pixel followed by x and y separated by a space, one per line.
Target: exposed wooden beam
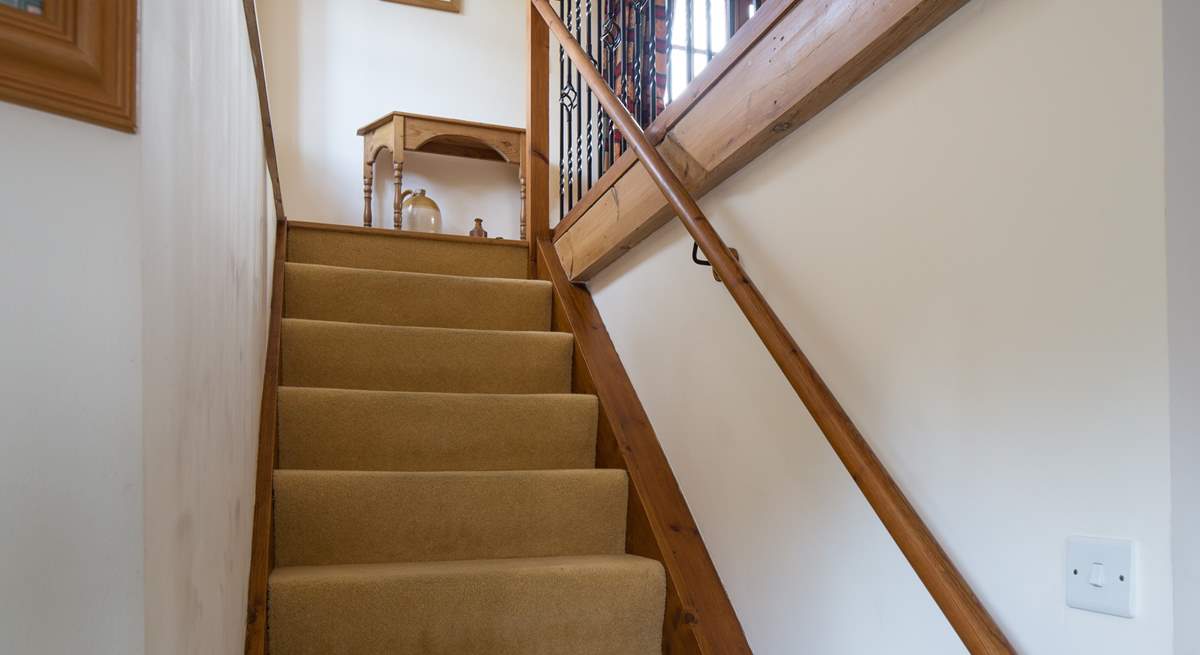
pixel 794 60
pixel 535 161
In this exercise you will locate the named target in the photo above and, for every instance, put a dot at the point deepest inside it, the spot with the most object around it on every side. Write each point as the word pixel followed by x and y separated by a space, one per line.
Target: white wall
pixel 336 65
pixel 207 249
pixel 970 247
pixel 1182 21
pixel 70 387
pixel 133 269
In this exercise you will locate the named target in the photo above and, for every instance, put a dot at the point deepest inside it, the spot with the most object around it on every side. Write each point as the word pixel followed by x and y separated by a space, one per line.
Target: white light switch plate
pixel 1100 575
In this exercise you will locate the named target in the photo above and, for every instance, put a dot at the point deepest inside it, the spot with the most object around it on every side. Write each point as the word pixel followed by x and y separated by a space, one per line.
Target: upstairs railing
pixel 647 51
pixel 624 124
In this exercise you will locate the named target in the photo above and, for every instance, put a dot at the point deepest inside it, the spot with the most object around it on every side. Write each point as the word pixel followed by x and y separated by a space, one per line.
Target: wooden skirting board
pixel 790 62
pixel 699 619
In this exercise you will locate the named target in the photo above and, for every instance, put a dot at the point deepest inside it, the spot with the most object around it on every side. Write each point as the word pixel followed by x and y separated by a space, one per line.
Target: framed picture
pixel 444 5
pixel 77 58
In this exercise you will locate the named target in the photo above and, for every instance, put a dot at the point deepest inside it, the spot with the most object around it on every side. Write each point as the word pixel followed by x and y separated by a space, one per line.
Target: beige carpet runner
pixel 437 491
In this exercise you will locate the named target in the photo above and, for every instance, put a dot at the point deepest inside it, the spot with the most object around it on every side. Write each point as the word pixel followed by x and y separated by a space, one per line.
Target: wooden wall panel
pixel 698 618
pixel 78 59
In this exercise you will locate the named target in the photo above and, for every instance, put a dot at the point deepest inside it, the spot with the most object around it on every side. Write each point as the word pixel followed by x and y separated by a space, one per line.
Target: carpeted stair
pixel 437 490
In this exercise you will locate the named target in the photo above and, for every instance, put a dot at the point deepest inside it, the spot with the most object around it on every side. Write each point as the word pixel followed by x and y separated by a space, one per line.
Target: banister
pixel 974 626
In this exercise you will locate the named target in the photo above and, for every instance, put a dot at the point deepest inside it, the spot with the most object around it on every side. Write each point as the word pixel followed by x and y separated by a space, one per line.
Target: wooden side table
pixel 399 132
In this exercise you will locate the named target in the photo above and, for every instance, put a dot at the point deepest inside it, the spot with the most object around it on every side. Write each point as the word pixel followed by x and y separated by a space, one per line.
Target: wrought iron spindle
pixel 580 128
pixel 625 40
pixel 562 130
pixel 591 110
pixel 612 40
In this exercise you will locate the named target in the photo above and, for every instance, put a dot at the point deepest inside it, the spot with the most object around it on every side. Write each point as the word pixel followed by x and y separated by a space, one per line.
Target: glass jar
pixel 420 213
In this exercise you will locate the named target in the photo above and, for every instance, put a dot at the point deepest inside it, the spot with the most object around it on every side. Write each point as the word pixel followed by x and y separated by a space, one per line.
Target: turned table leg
pixel 523 192
pixel 398 202
pixel 368 175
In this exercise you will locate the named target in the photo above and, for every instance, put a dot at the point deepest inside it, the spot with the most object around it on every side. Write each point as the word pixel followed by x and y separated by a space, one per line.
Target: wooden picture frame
pixel 78 58
pixel 441 5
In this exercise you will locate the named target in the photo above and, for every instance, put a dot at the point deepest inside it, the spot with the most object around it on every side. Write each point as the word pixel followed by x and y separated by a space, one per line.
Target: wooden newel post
pixel 536 160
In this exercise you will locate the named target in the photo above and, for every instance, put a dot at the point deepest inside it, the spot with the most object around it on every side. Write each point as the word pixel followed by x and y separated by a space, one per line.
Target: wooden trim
pixel 738 47
pixel 535 160
pixel 975 627
pixel 622 165
pixel 699 619
pixel 795 58
pixel 382 120
pixel 264 105
pixel 441 5
pixel 405 234
pixel 79 60
pixel 261 551
pixel 261 548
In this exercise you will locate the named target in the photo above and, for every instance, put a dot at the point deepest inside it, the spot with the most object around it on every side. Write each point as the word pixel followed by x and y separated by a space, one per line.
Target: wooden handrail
pixel 976 628
pixel 261 560
pixel 264 106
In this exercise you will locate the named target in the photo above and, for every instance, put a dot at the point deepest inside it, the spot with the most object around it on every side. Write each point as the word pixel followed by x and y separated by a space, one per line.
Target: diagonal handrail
pixel 975 627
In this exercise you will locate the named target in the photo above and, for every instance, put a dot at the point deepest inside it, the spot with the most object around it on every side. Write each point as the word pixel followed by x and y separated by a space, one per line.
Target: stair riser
pixel 352 295
pixel 388 431
pixel 350 356
pixel 573 607
pixel 327 517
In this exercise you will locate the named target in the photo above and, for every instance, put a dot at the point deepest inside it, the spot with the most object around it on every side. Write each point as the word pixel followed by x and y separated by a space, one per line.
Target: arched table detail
pixel 400 132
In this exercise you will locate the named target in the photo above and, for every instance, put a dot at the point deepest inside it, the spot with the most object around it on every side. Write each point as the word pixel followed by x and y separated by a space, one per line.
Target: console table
pixel 399 132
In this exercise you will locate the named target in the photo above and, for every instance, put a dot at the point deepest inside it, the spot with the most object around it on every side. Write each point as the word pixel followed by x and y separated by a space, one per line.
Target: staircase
pixel 436 490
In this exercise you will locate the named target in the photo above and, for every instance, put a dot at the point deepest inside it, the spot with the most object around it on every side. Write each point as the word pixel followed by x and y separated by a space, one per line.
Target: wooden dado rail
pixel 979 633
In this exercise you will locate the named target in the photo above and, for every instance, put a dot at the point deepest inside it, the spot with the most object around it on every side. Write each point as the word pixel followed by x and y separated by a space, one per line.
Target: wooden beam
pixel 795 60
pixel 699 618
pixel 535 163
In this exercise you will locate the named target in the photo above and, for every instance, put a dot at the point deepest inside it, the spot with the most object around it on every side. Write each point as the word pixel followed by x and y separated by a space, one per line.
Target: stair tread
pixel 353 429
pixel 383 571
pixel 334 517
pixel 360 295
pixel 583 605
pixel 342 355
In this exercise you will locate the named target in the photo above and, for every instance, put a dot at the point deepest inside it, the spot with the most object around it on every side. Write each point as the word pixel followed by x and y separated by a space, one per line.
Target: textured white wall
pixel 134 273
pixel 1182 22
pixel 70 387
pixel 970 247
pixel 207 245
pixel 336 65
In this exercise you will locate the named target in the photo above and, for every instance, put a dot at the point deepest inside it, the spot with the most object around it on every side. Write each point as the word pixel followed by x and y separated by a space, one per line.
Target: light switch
pixel 1100 575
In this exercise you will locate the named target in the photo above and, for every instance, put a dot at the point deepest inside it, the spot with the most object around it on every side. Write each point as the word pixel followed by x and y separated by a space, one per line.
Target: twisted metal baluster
pixel 612 40
pixel 591 114
pixel 639 39
pixel 562 139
